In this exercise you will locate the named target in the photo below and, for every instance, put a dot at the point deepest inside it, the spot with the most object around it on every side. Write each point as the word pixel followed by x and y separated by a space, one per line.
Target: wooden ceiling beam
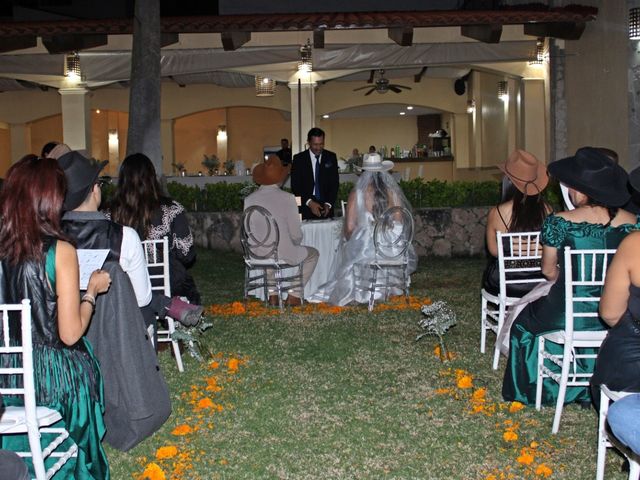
pixel 563 30
pixel 233 40
pixel 73 42
pixel 318 38
pixel 403 36
pixel 482 33
pixel 18 43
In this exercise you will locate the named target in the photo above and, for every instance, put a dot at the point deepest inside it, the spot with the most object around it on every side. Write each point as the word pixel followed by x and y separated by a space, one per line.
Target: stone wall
pixel 440 232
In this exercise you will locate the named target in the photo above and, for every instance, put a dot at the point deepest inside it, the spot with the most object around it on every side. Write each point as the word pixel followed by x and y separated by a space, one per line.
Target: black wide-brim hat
pixel 594 174
pixel 82 174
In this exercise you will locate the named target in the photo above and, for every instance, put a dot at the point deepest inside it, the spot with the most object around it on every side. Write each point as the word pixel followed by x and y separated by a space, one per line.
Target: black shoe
pixel 585 404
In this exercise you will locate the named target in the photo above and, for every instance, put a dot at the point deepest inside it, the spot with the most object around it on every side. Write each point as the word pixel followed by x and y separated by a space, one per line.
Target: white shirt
pixel 134 264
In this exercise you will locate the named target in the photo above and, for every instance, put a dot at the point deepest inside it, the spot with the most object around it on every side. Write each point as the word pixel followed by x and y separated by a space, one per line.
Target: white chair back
pixel 343 206
pixel 519 262
pixel 156 253
pixel 607 440
pixel 585 269
pixel 16 372
pixel 518 252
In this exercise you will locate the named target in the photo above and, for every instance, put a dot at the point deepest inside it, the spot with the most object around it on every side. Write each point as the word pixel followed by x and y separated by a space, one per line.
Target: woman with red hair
pixel 37 263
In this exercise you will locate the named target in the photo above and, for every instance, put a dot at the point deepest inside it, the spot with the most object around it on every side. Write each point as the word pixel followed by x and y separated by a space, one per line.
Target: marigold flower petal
pixel 510 436
pixel 465 382
pixel 543 470
pixel 525 459
pixel 515 407
pixel 232 364
pixel 166 452
pixel 182 430
pixel 153 472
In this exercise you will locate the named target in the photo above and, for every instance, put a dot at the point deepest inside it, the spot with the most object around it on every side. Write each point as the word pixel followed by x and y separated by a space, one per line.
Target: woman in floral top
pixel 139 203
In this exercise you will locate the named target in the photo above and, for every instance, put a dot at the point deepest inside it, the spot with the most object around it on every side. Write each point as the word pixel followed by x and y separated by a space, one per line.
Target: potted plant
pixel 179 167
pixel 229 165
pixel 211 163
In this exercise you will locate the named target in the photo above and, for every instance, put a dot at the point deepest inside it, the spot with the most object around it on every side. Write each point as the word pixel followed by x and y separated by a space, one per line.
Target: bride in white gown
pixel 375 192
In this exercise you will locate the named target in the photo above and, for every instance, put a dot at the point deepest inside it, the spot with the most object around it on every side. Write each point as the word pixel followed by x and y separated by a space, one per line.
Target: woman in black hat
pixel 618 360
pixel 598 187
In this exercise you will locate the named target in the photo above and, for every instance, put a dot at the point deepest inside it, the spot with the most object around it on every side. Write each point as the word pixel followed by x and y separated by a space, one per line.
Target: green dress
pixel 547 314
pixel 67 379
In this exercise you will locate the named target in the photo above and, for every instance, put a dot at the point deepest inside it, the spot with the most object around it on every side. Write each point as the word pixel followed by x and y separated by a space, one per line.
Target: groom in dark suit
pixel 314 177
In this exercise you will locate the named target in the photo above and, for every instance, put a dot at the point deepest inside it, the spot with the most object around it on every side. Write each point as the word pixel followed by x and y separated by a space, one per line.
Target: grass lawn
pixel 351 395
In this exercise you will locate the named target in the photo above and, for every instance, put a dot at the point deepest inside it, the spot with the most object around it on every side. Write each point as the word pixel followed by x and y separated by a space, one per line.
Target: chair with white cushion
pixel 583 268
pixel 607 440
pixel 32 420
pixel 156 253
pixel 392 237
pixel 265 272
pixel 519 262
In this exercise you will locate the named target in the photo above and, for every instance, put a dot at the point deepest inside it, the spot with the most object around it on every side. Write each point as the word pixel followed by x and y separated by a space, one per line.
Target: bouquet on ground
pixel 438 318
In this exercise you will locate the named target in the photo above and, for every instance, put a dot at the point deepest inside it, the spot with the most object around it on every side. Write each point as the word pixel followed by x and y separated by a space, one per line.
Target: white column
pixel 76 118
pixel 20 135
pixel 303 110
pixel 512 116
pixel 166 138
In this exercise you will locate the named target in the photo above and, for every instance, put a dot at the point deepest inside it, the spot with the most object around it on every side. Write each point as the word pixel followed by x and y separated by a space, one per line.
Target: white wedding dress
pixel 359 248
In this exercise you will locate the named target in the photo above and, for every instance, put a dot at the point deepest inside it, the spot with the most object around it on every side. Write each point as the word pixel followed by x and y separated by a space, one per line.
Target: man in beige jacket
pixel 282 206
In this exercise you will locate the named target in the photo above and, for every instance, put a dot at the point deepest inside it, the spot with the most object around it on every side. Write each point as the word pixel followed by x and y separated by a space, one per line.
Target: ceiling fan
pixel 381 84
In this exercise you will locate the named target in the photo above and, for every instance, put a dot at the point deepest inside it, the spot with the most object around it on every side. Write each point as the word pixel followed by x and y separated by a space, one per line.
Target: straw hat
pixel 271 172
pixel 594 174
pixel 373 162
pixel 526 172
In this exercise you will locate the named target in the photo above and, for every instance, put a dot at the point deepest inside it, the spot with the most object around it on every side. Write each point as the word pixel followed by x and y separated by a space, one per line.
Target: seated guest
pixel 523 210
pixel 618 360
pixel 91 229
pixel 136 396
pixel 375 192
pixel 597 188
pixel 284 154
pixel 140 204
pixel 38 263
pixel 624 419
pixel 282 206
pixel 56 151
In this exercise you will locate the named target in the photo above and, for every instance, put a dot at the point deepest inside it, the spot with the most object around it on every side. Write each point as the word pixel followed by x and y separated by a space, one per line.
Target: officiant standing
pixel 314 177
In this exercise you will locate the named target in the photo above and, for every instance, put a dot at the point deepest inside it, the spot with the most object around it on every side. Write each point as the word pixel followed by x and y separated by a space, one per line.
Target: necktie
pixel 316 180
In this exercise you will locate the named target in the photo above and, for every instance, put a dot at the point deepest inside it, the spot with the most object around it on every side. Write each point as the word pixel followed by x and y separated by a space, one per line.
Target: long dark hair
pixel 30 206
pixel 138 194
pixel 528 211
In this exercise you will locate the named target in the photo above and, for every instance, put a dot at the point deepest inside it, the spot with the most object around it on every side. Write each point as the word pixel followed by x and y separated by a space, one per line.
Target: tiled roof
pixel 303 22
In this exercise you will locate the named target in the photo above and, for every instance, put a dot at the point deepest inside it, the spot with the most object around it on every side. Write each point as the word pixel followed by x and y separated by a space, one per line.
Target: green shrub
pixel 226 197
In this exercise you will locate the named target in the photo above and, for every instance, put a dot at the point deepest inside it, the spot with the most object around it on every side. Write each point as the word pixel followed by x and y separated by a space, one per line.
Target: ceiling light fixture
pixel 537 56
pixel 403 113
pixel 305 64
pixel 503 93
pixel 471 106
pixel 72 66
pixel 326 115
pixel 634 23
pixel 409 107
pixel 265 86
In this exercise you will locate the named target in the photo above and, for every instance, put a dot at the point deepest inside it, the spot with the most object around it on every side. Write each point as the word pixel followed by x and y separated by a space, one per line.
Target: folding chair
pixel 29 419
pixel 518 253
pixel 583 268
pixel 607 440
pixel 156 252
pixel 392 237
pixel 264 271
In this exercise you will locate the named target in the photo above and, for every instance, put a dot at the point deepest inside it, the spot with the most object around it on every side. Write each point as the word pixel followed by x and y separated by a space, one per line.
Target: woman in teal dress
pixel 597 187
pixel 37 263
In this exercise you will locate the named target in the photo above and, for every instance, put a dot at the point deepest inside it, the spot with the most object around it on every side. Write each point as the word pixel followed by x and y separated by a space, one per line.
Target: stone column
pixel 633 94
pixel 76 118
pixel 303 110
pixel 20 135
pixel 168 150
pixel 558 104
pixel 144 95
